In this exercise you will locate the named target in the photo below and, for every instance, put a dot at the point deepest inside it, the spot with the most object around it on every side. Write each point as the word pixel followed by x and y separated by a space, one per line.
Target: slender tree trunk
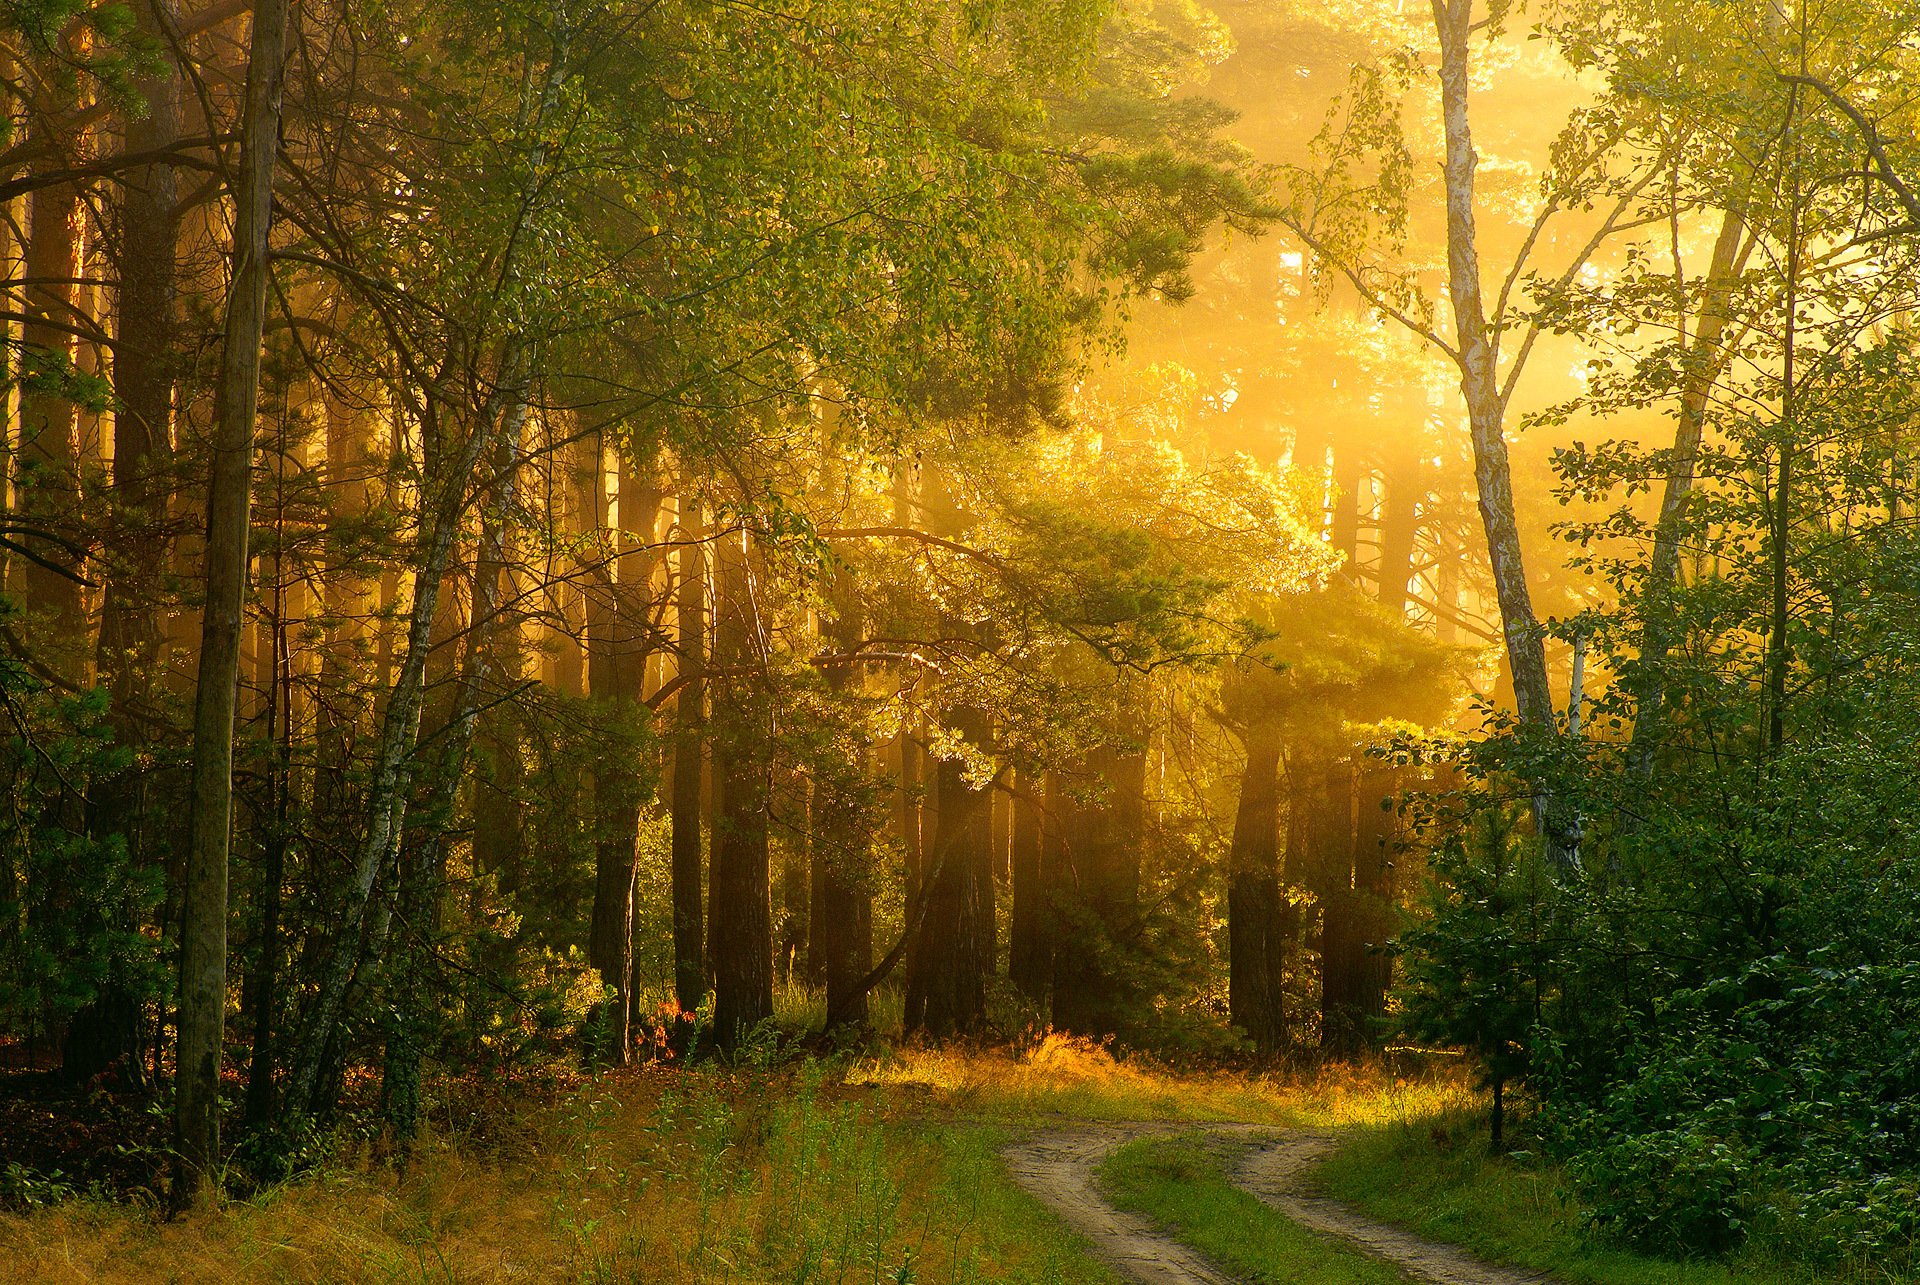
pixel 47 477
pixel 392 770
pixel 1479 361
pixel 617 678
pixel 687 857
pixel 1373 895
pixel 144 369
pixel 1104 845
pixel 840 931
pixel 1778 554
pixel 203 947
pixel 422 863
pixel 796 878
pixel 844 906
pixel 1341 942
pixel 742 908
pixel 263 985
pixel 1707 357
pixel 1479 377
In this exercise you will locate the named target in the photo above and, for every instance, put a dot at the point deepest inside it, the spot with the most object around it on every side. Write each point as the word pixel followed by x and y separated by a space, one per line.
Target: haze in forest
pixel 712 554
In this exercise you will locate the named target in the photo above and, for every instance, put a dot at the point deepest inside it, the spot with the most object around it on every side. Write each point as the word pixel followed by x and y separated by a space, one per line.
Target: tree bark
pixel 1707 357
pixel 422 865
pixel 1103 847
pixel 47 479
pixel 843 938
pixel 742 942
pixel 688 858
pixel 145 364
pixel 1399 531
pixel 203 947
pixel 111 1029
pixel 1341 940
pixel 619 607
pixel 946 981
pixel 1030 945
pixel 1479 360
pixel 392 770
pixel 1254 992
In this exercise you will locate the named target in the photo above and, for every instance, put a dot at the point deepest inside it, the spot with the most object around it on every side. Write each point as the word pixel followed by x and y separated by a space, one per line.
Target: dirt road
pixel 1059 1165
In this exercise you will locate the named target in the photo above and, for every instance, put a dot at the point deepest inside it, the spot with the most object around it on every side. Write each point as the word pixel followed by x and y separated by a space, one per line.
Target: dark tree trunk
pixel 1399 528
pixel 47 479
pixel 1030 948
pixel 412 1013
pixel 1104 842
pixel 618 611
pixel 1342 942
pixel 796 887
pixel 742 903
pixel 111 1031
pixel 1255 934
pixel 946 982
pixel 689 970
pixel 357 938
pixel 840 945
pixel 1373 897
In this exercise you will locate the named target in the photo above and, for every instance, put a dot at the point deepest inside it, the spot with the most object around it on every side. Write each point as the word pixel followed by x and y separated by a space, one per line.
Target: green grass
pixel 1181 1183
pixel 1438 1178
pixel 679 1178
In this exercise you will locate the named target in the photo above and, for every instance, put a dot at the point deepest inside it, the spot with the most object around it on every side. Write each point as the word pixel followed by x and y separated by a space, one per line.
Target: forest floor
pixel 1055 1165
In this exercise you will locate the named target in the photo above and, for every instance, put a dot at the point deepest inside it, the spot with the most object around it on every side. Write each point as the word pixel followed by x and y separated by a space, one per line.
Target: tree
pixel 203 949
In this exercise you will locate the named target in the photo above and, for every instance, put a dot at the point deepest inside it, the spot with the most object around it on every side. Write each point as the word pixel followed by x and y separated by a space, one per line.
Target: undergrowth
pixel 660 1175
pixel 1438 1177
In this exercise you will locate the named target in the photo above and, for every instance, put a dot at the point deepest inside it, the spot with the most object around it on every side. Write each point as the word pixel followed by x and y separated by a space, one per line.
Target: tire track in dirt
pixel 1275 1172
pixel 1058 1167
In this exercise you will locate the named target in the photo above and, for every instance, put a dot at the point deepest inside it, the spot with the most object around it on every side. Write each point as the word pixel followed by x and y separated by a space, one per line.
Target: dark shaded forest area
pixel 585 533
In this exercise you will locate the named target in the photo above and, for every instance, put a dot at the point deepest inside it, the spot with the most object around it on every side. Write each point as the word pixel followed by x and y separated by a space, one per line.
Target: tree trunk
pixel 1341 939
pixel 1030 945
pixel 689 969
pixel 946 981
pixel 203 952
pixel 422 863
pixel 1399 531
pixel 145 364
pixel 618 613
pixel 742 907
pixel 1373 894
pixel 392 770
pixel 1706 359
pixel 843 940
pixel 1479 361
pixel 1254 993
pixel 1104 847
pixel 796 862
pixel 47 480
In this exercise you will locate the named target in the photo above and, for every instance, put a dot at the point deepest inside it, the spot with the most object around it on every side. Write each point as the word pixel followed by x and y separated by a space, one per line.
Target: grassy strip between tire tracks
pixel 1181 1182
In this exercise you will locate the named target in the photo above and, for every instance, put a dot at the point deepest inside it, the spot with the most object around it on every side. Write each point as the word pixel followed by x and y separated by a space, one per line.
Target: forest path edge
pixel 1058 1166
pixel 1275 1171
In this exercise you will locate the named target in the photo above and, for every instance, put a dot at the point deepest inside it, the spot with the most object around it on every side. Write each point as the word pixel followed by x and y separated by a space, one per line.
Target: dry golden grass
pixel 887 1172
pixel 1070 1076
